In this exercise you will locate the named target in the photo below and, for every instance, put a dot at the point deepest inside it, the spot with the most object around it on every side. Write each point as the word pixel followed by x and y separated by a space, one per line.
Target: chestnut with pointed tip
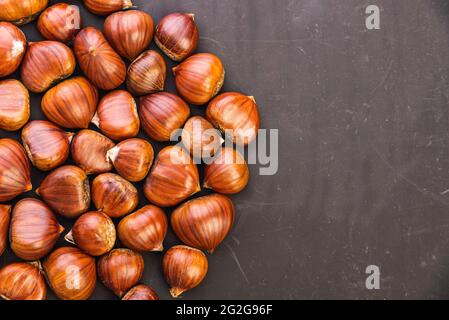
pixel 45 64
pixel 141 292
pixel 71 273
pixel 173 179
pixel 93 232
pixel 14 105
pixel 204 222
pixel 177 35
pixel 12 47
pixel 21 12
pixel 132 158
pixel 200 138
pixel 105 7
pixel 47 145
pixel 184 268
pixel 236 115
pixel 114 195
pixel 120 270
pixel 5 217
pixel 34 229
pixel 60 22
pixel 66 190
pixel 22 281
pixel 144 230
pixel 162 114
pixel 199 78
pixel 117 115
pixel 89 151
pixel 71 103
pixel 14 170
pixel 129 32
pixel 146 74
pixel 99 62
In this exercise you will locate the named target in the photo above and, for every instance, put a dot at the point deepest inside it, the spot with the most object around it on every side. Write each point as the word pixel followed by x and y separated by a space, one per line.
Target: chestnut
pixel 144 230
pixel 70 273
pixel 120 270
pixel 173 179
pixel 161 114
pixel 141 292
pixel 129 32
pixel 34 229
pixel 5 217
pixel 204 222
pixel 99 62
pixel 14 170
pixel 66 190
pixel 177 35
pixel 71 103
pixel 236 115
pixel 184 268
pixel 45 64
pixel 117 115
pixel 47 145
pixel 89 151
pixel 105 7
pixel 132 158
pixel 60 22
pixel 12 47
pixel 93 232
pixel 146 74
pixel 14 105
pixel 114 195
pixel 22 281
pixel 200 138
pixel 21 12
pixel 199 78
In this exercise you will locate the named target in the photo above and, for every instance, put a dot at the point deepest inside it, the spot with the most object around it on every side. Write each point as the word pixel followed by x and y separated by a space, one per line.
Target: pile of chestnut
pixel 70 105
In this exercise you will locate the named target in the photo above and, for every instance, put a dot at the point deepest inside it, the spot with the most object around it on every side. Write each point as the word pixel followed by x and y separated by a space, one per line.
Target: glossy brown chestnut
pixel 200 138
pixel 141 292
pixel 177 35
pixel 99 62
pixel 144 230
pixel 132 158
pixel 204 222
pixel 14 170
pixel 199 78
pixel 66 190
pixel 120 270
pixel 47 145
pixel 146 74
pixel 71 103
pixel 173 179
pixel 105 7
pixel 162 114
pixel 117 115
pixel 94 233
pixel 12 47
pixel 34 229
pixel 22 281
pixel 5 217
pixel 184 268
pixel 89 151
pixel 14 105
pixel 21 12
pixel 236 115
pixel 129 32
pixel 71 273
pixel 114 195
pixel 46 63
pixel 228 173
pixel 60 22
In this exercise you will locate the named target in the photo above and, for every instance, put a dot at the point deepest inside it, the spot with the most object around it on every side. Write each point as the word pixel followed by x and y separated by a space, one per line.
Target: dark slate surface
pixel 363 148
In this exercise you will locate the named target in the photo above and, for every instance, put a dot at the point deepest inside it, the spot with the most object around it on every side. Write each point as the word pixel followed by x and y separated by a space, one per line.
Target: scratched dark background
pixel 363 148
